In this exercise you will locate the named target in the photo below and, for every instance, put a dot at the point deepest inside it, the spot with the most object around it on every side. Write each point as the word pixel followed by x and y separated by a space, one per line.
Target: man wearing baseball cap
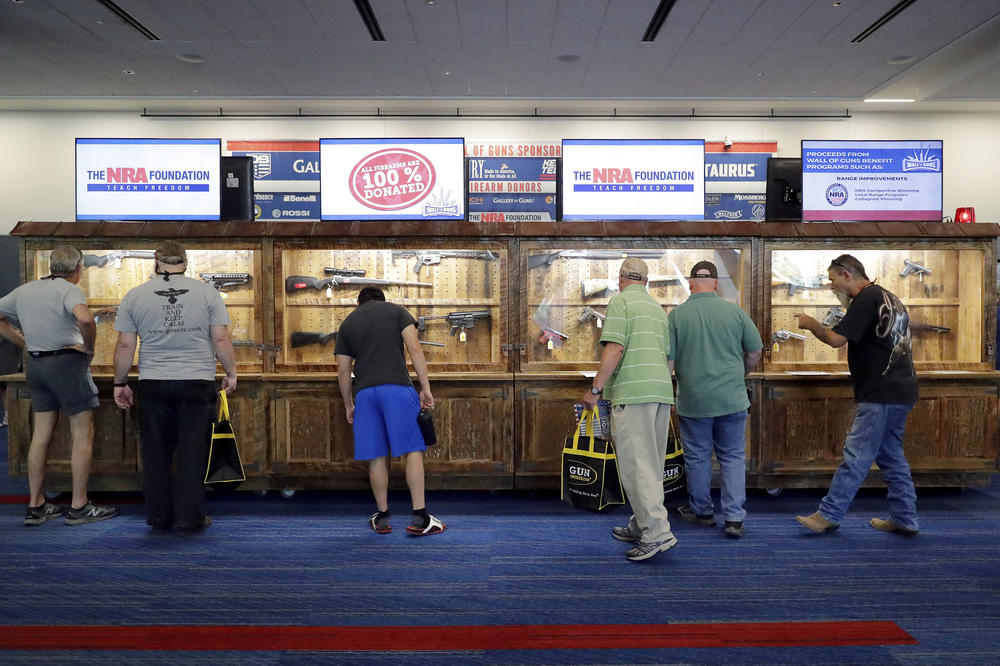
pixel 633 375
pixel 713 345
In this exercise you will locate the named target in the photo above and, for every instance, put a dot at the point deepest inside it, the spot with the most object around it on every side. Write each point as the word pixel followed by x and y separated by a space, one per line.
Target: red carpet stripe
pixel 13 499
pixel 501 637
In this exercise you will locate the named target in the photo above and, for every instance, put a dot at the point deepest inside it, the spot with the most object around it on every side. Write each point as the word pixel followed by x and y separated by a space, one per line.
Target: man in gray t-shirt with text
pixel 59 333
pixel 183 325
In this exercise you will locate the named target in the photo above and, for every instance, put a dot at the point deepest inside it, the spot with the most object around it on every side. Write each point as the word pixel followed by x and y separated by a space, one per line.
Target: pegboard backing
pixel 558 293
pixel 451 284
pixel 949 296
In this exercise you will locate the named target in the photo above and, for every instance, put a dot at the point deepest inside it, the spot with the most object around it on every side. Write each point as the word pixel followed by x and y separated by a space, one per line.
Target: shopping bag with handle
pixel 224 463
pixel 590 479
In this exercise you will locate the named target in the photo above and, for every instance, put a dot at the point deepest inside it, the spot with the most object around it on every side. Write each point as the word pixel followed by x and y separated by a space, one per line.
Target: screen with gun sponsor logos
pixel 392 179
pixel 147 179
pixel 633 179
pixel 872 180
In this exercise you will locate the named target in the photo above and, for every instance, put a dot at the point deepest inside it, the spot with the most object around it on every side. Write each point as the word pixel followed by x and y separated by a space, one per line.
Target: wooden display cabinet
pixel 808 407
pixel 469 278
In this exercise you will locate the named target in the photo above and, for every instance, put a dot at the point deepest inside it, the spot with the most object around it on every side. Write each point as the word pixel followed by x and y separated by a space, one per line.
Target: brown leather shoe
pixel 817 523
pixel 889 526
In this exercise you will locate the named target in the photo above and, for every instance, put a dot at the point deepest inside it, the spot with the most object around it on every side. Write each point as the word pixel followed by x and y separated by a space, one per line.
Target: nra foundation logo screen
pixel 633 179
pixel 399 179
pixel 147 179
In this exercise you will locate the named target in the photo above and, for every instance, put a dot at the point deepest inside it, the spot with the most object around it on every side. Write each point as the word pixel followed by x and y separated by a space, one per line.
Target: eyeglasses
pixel 844 266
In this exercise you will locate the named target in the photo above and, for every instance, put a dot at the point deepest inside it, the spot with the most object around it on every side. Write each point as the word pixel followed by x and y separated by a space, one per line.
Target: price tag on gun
pixel 460 321
pixel 552 338
pixel 591 313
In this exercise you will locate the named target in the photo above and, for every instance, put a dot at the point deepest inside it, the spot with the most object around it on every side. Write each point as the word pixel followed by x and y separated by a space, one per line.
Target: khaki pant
pixel 640 436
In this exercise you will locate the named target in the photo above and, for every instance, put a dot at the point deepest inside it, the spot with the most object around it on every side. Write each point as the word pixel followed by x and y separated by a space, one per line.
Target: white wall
pixel 37 156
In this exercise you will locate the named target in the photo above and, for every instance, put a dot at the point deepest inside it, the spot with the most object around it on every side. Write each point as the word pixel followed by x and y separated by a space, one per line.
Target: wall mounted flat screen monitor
pixel 633 179
pixel 784 189
pixel 147 179
pixel 872 180
pixel 392 179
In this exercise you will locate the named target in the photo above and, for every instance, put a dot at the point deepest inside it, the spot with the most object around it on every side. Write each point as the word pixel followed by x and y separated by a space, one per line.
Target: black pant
pixel 175 430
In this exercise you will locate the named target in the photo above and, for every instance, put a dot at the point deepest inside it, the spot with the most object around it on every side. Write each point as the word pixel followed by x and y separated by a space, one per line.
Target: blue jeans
pixel 727 436
pixel 876 436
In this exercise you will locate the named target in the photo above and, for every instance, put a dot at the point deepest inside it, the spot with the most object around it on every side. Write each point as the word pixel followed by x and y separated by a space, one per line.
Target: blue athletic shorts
pixel 385 418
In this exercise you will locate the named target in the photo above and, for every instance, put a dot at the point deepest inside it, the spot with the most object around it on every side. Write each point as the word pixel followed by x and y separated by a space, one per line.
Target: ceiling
pixel 499 56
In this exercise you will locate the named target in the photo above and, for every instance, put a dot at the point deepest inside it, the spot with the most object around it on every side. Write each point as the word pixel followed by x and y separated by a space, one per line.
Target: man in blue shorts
pixel 384 411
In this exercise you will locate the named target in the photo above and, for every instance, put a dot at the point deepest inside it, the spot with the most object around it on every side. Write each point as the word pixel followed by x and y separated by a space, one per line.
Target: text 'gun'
pixel 546 259
pixel 296 283
pixel 460 321
pixel 115 257
pixel 591 313
pixel 306 338
pixel 433 257
pixel 911 267
pixel 222 280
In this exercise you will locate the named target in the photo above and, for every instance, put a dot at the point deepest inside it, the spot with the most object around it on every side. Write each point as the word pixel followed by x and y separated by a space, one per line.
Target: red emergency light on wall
pixel 965 215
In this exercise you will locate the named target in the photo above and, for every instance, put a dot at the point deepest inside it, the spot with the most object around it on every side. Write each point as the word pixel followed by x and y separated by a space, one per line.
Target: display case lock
pixel 517 346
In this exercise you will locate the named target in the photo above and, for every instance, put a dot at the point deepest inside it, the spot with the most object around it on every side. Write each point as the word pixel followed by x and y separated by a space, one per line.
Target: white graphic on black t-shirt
pixel 894 322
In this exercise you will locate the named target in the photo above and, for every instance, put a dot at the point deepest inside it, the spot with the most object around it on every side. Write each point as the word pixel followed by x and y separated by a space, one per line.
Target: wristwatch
pixel 595 391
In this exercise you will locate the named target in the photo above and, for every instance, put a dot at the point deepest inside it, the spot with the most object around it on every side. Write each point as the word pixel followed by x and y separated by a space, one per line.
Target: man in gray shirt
pixel 183 325
pixel 59 333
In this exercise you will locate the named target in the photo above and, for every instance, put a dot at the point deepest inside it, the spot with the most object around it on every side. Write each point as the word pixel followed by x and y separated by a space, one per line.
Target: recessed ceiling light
pixel 431 2
pixel 900 60
pixel 569 57
pixel 838 4
pixel 18 2
pixel 891 101
pixel 190 57
pixel 447 73
pixel 760 73
pixel 128 72
pixel 195 90
pixel 100 22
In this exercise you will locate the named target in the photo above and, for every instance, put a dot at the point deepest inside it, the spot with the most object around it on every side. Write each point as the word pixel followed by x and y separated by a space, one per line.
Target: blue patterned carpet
pixel 506 559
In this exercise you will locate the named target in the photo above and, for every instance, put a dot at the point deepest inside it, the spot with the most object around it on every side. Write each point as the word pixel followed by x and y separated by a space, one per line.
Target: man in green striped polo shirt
pixel 634 376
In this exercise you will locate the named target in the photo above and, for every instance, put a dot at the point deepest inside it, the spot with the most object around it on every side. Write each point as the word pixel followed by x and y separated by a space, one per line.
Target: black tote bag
pixel 224 463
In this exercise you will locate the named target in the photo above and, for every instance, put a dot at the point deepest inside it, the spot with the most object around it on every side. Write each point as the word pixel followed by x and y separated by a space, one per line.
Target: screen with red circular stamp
pixel 392 179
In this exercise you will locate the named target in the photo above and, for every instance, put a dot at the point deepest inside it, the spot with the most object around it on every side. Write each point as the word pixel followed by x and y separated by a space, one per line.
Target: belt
pixel 54 352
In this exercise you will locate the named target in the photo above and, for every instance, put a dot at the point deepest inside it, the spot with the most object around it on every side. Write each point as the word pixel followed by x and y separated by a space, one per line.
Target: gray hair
pixel 63 260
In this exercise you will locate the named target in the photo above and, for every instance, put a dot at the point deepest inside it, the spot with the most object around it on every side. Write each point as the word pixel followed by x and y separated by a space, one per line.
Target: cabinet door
pixel 951 431
pixel 114 448
pixel 545 418
pixel 473 422
pixel 248 411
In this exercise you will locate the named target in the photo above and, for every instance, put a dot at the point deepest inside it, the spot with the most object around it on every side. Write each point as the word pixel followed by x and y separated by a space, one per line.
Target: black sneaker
pixel 206 522
pixel 89 513
pixel 36 515
pixel 733 529
pixel 704 519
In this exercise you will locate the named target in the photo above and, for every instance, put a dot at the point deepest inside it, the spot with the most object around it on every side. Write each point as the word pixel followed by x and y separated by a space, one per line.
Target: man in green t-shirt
pixel 713 345
pixel 634 376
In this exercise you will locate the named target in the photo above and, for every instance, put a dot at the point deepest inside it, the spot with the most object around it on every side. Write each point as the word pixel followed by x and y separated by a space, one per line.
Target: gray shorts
pixel 62 383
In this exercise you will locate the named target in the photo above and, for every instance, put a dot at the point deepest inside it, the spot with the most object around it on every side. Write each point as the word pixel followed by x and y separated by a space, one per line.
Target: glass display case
pixel 941 286
pixel 109 273
pixel 568 288
pixel 458 294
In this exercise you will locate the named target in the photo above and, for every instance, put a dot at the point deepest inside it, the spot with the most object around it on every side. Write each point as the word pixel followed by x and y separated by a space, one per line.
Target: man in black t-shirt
pixel 384 410
pixel 876 329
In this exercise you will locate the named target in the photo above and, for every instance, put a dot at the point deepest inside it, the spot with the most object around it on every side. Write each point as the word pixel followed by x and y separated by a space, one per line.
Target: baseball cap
pixel 704 269
pixel 634 268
